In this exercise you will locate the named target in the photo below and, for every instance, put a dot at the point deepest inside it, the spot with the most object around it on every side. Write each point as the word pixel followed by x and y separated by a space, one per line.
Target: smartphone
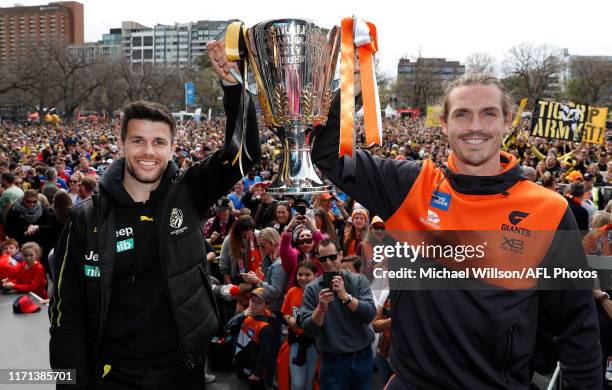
pixel 301 209
pixel 387 312
pixel 327 279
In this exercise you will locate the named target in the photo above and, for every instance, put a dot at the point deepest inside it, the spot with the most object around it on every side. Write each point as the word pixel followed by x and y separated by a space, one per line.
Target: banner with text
pixel 568 121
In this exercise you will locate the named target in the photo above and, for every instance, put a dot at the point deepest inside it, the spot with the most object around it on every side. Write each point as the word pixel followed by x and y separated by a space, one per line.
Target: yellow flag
pixel 433 116
pixel 519 112
pixel 595 127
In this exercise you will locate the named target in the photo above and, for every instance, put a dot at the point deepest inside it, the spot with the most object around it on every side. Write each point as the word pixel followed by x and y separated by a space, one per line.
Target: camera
pixel 301 209
pixel 327 279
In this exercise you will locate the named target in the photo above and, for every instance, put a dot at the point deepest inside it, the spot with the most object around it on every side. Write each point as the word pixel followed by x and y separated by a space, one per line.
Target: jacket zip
pixel 508 354
pixel 95 198
pixel 190 365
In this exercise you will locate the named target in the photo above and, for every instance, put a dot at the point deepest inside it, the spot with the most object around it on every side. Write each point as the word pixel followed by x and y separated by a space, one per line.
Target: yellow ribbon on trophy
pixel 235 42
pixel 357 33
pixel 236 51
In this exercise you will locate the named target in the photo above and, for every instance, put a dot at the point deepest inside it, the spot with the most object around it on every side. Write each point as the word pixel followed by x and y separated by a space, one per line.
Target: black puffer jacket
pixel 85 258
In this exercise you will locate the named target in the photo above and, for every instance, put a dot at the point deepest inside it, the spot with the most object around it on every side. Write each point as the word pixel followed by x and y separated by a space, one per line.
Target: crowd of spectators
pixel 277 250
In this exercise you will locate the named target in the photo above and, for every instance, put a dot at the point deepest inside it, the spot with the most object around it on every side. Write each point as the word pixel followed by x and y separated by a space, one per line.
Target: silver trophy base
pixel 297 174
pixel 286 190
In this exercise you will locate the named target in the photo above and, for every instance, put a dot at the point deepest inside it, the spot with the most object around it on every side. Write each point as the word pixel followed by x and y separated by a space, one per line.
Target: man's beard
pixel 132 173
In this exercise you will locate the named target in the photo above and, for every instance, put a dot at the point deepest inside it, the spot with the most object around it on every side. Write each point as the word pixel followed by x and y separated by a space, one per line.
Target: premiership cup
pixel 293 63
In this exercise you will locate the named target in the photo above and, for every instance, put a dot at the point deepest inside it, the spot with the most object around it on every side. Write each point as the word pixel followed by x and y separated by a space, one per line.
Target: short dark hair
pixel 326 242
pixel 355 260
pixel 51 174
pixel 308 265
pixel 576 188
pixel 151 111
pixel 8 177
pixel 89 183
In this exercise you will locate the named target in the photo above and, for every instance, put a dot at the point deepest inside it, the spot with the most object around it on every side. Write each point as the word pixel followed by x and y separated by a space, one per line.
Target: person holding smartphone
pixel 337 309
pixel 298 243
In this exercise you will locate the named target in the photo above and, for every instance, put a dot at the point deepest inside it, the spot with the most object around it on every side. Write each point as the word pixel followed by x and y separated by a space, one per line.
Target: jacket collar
pixel 485 185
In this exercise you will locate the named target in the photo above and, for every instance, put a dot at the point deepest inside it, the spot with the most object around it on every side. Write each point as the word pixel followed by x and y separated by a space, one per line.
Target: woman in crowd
pixel 274 282
pixel 324 224
pixel 298 243
pixel 274 276
pixel 28 220
pixel 239 252
pixel 282 216
pixel 549 181
pixel 354 232
pixel 596 241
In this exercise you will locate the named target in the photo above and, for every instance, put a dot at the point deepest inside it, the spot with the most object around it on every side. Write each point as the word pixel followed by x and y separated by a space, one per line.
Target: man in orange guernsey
pixel 474 338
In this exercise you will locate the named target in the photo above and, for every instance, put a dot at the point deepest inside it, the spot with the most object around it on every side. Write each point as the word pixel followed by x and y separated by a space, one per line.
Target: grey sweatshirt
pixel 343 331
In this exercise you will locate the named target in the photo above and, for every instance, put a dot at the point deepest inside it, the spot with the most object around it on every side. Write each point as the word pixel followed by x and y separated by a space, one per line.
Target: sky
pixel 442 28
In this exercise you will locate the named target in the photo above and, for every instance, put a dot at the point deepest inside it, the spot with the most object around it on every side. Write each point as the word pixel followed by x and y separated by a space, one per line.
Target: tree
pixel 386 86
pixel 419 85
pixel 77 76
pixel 133 81
pixel 19 75
pixel 535 69
pixel 208 87
pixel 479 62
pixel 111 94
pixel 164 85
pixel 591 80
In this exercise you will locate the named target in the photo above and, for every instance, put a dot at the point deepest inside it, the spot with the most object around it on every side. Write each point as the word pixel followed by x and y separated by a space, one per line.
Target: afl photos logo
pixel 176 218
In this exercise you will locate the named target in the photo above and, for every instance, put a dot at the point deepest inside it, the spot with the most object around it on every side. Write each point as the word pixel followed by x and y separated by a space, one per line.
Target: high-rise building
pixel 420 82
pixel 170 46
pixel 113 37
pixel 437 69
pixel 24 28
pixel 90 51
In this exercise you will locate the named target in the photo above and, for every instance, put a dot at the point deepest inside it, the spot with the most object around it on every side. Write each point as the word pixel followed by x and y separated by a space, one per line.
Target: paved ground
pixel 26 345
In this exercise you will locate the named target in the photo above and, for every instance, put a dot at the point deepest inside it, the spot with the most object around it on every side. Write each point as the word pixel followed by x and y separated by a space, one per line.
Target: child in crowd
pixel 351 264
pixel 8 259
pixel 303 355
pixel 253 355
pixel 30 275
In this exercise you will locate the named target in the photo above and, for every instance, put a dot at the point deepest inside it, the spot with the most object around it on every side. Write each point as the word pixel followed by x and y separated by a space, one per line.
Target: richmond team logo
pixel 176 218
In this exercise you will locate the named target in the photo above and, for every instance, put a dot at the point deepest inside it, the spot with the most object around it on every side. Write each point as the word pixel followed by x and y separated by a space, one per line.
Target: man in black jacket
pixel 132 305
pixel 480 338
pixel 574 201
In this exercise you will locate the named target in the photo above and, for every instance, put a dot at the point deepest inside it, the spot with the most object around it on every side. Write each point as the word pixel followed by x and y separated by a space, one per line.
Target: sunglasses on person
pixel 33 201
pixel 305 241
pixel 378 228
pixel 324 259
pixel 74 181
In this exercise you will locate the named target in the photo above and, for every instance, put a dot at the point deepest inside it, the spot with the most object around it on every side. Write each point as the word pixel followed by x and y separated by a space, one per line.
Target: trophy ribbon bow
pixel 360 34
pixel 236 51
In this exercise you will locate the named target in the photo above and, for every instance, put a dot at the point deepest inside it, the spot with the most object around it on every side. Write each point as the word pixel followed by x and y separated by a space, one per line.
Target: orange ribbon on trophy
pixel 357 33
